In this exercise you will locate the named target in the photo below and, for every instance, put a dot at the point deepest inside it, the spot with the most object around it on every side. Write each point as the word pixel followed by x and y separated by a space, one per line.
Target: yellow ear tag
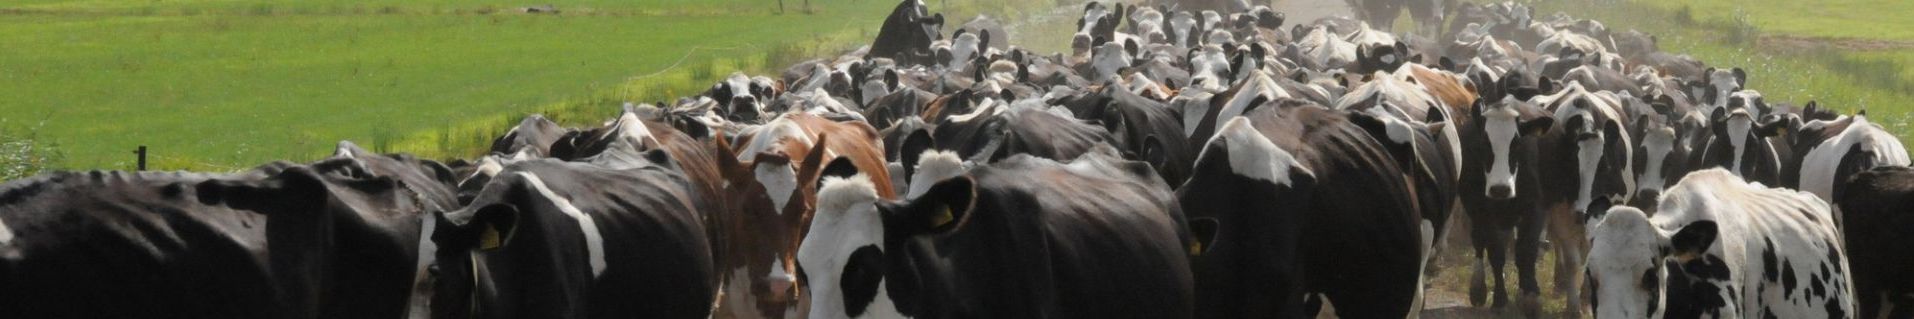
pixel 489 238
pixel 1196 248
pixel 942 217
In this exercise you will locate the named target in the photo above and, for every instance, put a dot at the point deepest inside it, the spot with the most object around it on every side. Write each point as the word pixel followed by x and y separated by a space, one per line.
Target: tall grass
pixel 23 153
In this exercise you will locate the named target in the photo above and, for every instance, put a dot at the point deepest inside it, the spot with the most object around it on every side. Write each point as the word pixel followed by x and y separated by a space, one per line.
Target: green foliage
pixel 23 153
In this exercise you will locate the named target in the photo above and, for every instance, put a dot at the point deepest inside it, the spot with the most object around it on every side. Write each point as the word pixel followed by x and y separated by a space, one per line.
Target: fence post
pixel 142 155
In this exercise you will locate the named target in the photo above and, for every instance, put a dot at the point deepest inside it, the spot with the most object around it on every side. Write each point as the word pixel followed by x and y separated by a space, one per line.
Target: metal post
pixel 142 154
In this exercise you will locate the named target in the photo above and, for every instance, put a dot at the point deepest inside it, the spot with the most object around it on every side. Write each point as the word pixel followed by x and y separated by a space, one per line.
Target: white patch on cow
pixel 779 277
pixel 773 134
pixel 1254 156
pixel 6 235
pixel 780 183
pixel 1501 127
pixel 635 130
pixel 344 149
pixel 420 305
pixel 1106 60
pixel 1657 145
pixel 1259 84
pixel 932 167
pixel 846 219
pixel 1399 132
pixel 962 50
pixel 1589 159
pixel 1739 126
pixel 1817 168
pixel 594 241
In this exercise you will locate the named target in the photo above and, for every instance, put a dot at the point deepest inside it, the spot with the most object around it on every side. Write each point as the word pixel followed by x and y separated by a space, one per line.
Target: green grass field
pixel 227 84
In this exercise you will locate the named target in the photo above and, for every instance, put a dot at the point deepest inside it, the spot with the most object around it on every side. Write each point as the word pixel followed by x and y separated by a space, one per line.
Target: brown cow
pixel 767 173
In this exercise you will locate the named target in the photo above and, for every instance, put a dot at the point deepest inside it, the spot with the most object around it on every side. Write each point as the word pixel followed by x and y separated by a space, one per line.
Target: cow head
pixel 855 264
pixel 1100 22
pixel 1629 258
pixel 1242 180
pixel 1600 150
pixel 741 98
pixel 1719 84
pixel 1664 158
pixel 1507 128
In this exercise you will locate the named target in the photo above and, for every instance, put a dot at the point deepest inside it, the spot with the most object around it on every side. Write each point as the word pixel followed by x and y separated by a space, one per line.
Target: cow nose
pixel 744 109
pixel 780 283
pixel 1645 197
pixel 1501 192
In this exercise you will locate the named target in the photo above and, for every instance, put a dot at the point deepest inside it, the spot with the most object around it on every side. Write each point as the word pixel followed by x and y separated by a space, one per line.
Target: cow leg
pixel 1571 248
pixel 1528 242
pixel 1498 256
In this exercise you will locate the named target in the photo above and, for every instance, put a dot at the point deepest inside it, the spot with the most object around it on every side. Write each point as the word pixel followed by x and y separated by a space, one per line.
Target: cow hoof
pixel 1530 305
pixel 1478 293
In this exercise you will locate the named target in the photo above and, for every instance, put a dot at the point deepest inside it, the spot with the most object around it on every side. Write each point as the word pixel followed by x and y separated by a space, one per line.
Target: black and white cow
pixel 1279 197
pixel 533 135
pixel 1746 251
pixel 907 34
pixel 560 239
pixel 1876 205
pixel 1739 143
pixel 1023 237
pixel 1501 188
pixel 1828 152
pixel 742 98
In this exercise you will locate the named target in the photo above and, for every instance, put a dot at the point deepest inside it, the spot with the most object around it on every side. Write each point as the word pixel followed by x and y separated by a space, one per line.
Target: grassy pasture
pixel 215 85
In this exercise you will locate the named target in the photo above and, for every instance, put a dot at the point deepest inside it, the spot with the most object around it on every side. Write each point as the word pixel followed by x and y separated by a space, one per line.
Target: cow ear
pixel 1446 64
pixel 1693 239
pixel 1546 85
pixel 1537 126
pixel 491 227
pixel 890 79
pixel 1663 104
pixel 913 148
pixel 1435 115
pixel 1129 45
pixel 1773 125
pixel 940 209
pixel 1202 235
pixel 1741 77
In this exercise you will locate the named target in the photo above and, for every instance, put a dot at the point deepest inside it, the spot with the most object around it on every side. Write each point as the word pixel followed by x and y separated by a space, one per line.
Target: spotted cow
pixel 1744 251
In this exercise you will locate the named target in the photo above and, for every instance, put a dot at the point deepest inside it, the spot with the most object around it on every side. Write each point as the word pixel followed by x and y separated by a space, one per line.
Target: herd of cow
pixel 1175 164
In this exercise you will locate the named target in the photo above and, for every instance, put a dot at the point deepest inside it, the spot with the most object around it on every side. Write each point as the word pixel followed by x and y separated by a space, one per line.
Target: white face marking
pixel 1193 109
pixel 1739 125
pixel 1501 127
pixel 1624 246
pixel 420 306
pixel 962 49
pixel 1252 155
pixel 846 219
pixel 594 242
pixel 1589 158
pixel 932 167
pixel 343 151
pixel 780 183
pixel 1657 145
pixel 1108 59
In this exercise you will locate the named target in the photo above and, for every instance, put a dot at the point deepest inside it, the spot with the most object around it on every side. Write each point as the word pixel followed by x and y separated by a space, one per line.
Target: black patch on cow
pixel 1815 287
pixel 1834 308
pixel 1707 297
pixel 861 275
pixel 842 167
pixel 1769 262
pixel 1708 268
pixel 1767 313
pixel 1788 280
pixel 1594 299
pixel 1651 280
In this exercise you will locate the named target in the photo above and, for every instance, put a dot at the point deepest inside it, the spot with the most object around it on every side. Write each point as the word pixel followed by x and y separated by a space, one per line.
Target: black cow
pixel 1500 186
pixel 1025 237
pixel 1877 205
pixel 907 34
pixel 557 239
pixel 1278 200
pixel 1139 126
